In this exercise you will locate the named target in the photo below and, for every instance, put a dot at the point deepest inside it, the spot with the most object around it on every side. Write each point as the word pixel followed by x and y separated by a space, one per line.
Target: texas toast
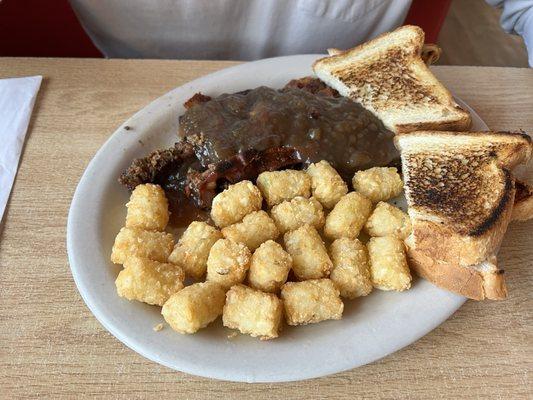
pixel 460 193
pixel 389 77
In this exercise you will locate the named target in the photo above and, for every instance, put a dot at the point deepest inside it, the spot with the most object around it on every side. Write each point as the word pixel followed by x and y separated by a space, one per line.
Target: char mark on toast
pixel 506 198
pixel 456 188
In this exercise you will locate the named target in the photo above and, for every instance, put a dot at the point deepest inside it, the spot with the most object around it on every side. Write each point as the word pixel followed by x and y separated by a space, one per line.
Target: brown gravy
pixel 321 128
pixel 183 211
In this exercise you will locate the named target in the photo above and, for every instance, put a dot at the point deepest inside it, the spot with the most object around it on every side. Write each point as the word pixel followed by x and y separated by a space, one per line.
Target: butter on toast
pixel 388 76
pixel 460 195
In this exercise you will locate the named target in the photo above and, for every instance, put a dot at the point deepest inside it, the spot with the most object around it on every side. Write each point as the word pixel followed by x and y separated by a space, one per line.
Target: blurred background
pixel 471 35
pixel 468 31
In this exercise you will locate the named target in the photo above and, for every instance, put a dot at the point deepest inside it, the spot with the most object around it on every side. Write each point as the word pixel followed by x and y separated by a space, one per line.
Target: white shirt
pixel 233 29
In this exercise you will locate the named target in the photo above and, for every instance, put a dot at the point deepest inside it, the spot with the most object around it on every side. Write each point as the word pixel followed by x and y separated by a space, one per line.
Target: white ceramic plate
pixel 371 328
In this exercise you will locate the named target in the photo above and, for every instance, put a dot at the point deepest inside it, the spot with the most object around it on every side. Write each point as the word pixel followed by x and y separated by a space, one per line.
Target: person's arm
pixel 517 17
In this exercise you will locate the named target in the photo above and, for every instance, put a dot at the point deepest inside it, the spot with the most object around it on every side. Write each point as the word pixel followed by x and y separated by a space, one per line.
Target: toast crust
pixel 430 53
pixel 512 148
pixel 469 282
pixel 462 123
pixel 416 40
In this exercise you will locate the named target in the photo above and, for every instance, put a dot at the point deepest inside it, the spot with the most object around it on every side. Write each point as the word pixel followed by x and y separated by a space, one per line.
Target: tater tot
pixel 253 312
pixel 387 220
pixel 194 307
pixel 192 250
pixel 269 267
pixel 228 262
pixel 147 208
pixel 310 258
pixel 131 242
pixel 278 186
pixel 255 228
pixel 311 301
pixel 235 202
pixel 149 281
pixel 378 183
pixel 350 274
pixel 327 185
pixel 292 214
pixel 388 264
pixel 348 216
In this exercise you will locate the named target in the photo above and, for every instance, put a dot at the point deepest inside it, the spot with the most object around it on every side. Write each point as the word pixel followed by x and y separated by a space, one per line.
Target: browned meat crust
pixel 203 186
pixel 198 98
pixel 177 170
pixel 187 173
pixel 152 168
pixel 312 85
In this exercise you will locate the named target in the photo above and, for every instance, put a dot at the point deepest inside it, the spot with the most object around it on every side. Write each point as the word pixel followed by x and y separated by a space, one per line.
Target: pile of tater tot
pixel 291 248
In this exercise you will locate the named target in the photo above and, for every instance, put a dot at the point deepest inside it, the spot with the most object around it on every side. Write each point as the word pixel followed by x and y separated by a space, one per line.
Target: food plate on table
pixel 371 327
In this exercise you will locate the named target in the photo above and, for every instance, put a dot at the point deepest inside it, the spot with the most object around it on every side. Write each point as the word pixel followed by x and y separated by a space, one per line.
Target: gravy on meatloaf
pixel 320 127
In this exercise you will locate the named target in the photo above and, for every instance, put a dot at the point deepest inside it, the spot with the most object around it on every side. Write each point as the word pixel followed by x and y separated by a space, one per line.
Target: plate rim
pixel 215 372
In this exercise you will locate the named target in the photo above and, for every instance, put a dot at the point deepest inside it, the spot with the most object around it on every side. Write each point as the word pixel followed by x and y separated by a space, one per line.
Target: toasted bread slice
pixel 430 53
pixel 460 195
pixel 388 76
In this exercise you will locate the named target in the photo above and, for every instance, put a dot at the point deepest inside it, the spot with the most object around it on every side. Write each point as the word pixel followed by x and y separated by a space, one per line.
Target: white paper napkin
pixel 17 97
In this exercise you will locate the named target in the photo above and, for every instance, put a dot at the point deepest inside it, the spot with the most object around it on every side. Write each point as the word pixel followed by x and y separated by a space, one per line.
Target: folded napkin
pixel 17 97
